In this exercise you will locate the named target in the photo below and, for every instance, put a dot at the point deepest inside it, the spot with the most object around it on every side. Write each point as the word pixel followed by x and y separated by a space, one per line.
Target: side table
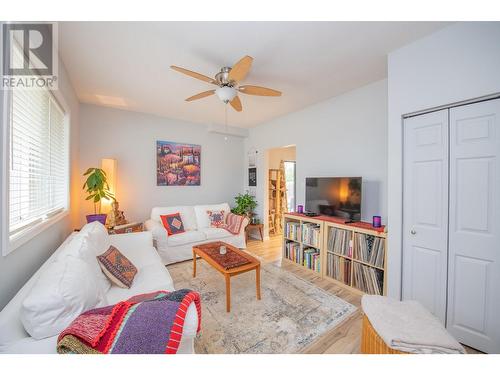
pixel 259 227
pixel 126 228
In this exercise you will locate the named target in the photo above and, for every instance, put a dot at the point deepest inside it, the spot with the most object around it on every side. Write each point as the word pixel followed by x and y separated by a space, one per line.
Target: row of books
pixel 292 230
pixel 311 234
pixel 369 280
pixel 293 252
pixel 369 249
pixel 339 268
pixel 339 241
pixel 312 259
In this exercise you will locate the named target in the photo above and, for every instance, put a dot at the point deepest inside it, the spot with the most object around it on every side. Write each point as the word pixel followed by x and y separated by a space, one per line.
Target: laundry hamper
pixel 372 343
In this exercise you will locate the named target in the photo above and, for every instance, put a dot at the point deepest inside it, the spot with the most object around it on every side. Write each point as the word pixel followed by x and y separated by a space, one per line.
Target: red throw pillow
pixel 173 223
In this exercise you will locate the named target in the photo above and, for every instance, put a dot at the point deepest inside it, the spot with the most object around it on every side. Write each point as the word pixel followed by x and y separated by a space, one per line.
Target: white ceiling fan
pixel 228 80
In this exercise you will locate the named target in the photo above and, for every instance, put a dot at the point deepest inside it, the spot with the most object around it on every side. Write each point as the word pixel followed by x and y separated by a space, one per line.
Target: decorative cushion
pixel 99 241
pixel 83 248
pixel 117 267
pixel 98 234
pixel 62 292
pixel 187 215
pixel 202 219
pixel 173 223
pixel 233 223
pixel 216 218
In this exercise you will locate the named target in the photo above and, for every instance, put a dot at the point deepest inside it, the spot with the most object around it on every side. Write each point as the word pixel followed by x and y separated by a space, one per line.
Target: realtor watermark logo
pixel 29 55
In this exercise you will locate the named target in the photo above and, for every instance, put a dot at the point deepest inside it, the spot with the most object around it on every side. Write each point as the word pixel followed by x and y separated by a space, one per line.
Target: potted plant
pixel 245 204
pixel 97 188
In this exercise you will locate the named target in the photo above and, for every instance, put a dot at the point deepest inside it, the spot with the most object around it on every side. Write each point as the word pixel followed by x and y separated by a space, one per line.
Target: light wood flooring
pixel 344 339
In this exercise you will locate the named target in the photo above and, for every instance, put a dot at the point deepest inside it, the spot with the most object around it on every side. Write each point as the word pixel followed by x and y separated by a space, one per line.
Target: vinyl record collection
pixel 339 268
pixel 368 279
pixel 369 249
pixel 339 241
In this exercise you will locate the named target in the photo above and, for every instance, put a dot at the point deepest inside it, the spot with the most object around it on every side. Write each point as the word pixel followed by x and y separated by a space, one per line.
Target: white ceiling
pixel 126 64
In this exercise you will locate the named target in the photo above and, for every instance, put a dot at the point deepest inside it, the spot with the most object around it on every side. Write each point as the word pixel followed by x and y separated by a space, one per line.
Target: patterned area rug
pixel 291 314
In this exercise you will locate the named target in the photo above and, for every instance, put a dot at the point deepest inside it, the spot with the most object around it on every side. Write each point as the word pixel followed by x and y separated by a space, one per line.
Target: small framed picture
pixel 252 176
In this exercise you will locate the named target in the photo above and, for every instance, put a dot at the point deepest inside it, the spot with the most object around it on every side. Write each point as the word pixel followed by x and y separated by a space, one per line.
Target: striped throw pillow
pixel 233 223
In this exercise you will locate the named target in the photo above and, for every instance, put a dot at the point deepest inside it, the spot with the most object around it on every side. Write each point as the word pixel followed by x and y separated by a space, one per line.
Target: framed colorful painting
pixel 177 164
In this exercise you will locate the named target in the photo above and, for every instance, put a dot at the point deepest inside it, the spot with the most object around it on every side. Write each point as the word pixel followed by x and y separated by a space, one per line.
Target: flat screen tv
pixel 334 196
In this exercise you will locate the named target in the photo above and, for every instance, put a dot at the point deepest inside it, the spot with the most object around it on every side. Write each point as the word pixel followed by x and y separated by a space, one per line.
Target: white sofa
pixel 152 275
pixel 178 247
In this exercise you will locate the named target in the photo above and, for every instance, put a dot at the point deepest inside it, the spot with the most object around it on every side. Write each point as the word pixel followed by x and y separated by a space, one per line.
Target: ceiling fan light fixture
pixel 226 93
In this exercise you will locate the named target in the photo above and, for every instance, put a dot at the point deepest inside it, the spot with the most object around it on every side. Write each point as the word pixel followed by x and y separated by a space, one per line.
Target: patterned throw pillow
pixel 173 223
pixel 216 218
pixel 119 270
pixel 233 223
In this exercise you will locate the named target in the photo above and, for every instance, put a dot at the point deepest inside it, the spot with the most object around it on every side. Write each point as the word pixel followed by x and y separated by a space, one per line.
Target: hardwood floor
pixel 343 339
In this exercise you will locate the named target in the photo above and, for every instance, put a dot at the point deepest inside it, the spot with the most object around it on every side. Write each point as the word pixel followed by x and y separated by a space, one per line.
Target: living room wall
pixel 459 62
pixel 130 138
pixel 342 136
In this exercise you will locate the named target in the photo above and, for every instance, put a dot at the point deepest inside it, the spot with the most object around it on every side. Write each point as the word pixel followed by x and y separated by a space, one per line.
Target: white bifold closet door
pixel 425 221
pixel 451 214
pixel 474 233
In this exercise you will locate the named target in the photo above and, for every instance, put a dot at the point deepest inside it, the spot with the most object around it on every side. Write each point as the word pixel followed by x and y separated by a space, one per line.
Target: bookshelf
pixel 277 198
pixel 353 255
pixel 302 242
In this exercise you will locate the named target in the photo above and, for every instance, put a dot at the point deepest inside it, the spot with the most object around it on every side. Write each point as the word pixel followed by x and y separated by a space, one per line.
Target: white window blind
pixel 39 176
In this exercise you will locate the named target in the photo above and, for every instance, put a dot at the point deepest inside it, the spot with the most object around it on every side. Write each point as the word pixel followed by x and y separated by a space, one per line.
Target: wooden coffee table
pixel 253 264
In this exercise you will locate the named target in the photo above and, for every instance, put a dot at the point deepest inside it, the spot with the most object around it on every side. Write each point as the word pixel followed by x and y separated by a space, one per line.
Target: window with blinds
pixel 39 175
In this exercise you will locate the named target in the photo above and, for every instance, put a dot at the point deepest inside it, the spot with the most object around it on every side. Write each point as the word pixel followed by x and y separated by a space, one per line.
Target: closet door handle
pixel 413 231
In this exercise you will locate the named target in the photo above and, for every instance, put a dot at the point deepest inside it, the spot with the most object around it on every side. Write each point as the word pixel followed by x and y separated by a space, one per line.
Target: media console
pixel 353 254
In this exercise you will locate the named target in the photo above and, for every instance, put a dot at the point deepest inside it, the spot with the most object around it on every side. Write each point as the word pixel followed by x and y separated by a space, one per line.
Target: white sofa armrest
pixel 156 229
pixel 190 322
pixel 132 241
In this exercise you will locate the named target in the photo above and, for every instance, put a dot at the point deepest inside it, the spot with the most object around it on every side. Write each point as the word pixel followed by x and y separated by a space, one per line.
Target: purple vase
pixel 101 218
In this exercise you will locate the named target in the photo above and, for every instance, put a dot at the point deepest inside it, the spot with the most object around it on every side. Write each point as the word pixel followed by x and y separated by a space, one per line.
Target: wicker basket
pixel 372 343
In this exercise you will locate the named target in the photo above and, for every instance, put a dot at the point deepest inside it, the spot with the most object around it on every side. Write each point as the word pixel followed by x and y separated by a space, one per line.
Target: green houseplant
pixel 245 204
pixel 97 188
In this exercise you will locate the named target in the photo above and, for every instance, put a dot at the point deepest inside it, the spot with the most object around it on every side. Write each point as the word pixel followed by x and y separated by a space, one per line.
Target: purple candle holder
pixel 300 209
pixel 377 221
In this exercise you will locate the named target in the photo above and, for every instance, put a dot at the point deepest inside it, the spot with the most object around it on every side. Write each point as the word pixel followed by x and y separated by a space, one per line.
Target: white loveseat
pixel 152 275
pixel 178 247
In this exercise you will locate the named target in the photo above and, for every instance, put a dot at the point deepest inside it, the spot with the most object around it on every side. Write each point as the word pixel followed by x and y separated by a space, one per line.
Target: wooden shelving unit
pixel 298 240
pixel 277 198
pixel 353 270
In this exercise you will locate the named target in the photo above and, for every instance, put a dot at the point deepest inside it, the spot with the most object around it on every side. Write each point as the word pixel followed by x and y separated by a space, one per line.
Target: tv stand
pixel 352 254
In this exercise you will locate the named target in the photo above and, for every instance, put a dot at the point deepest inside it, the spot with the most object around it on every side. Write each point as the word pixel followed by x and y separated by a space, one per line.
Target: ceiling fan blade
pixel 193 74
pixel 240 70
pixel 258 90
pixel 236 104
pixel 203 94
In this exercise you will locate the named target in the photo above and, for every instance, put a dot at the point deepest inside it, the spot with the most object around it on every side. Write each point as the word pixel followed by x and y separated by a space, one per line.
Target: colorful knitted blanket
pixel 144 324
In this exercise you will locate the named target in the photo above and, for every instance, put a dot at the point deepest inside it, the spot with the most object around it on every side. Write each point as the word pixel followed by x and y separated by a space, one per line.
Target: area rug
pixel 291 314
